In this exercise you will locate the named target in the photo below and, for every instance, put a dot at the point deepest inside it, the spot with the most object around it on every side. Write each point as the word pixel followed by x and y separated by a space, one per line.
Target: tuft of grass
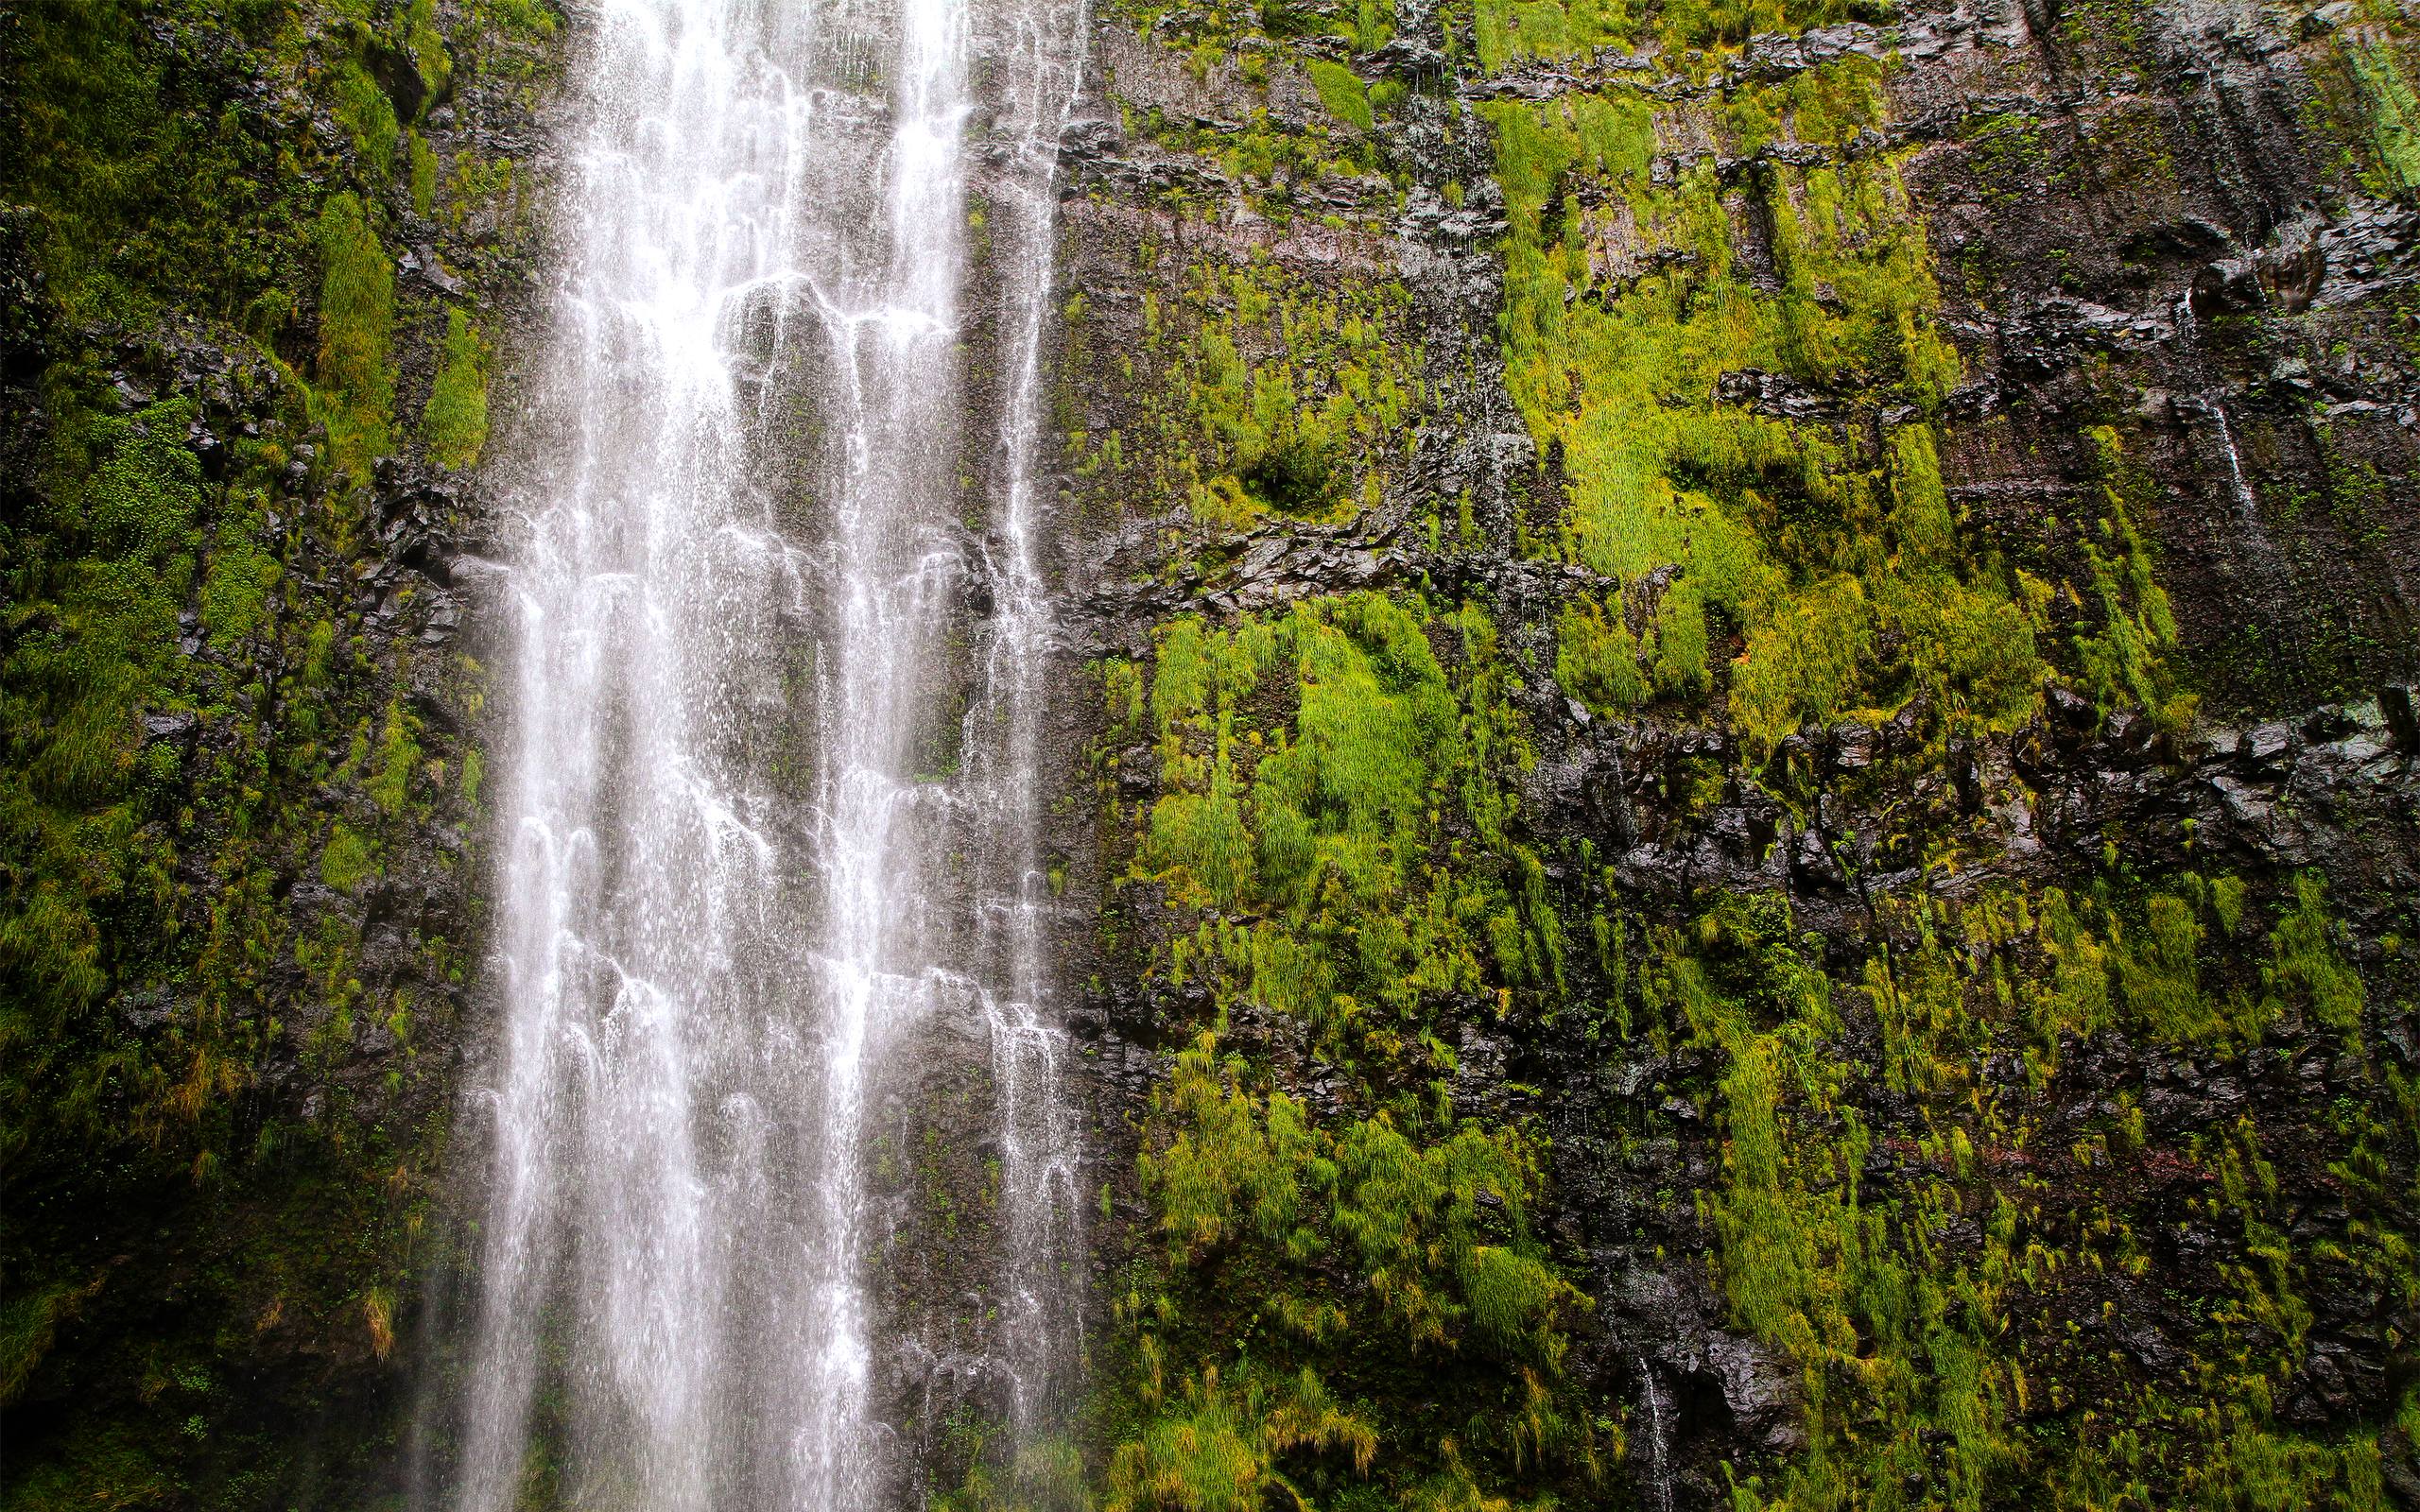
pixel 347 860
pixel 1596 658
pixel 357 321
pixel 1341 91
pixel 455 422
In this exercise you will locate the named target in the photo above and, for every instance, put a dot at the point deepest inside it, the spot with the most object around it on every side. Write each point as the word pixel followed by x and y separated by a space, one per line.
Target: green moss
pixel 1885 1220
pixel 164 774
pixel 1596 658
pixel 2392 109
pixel 455 422
pixel 2125 661
pixel 1341 92
pixel 422 165
pixel 1278 396
pixel 362 108
pixel 425 42
pixel 1221 1447
pixel 1329 831
pixel 1333 840
pixel 1806 662
pixel 2308 972
pixel 1435 1233
pixel 389 781
pixel 1508 30
pixel 356 321
pixel 1624 312
pixel 235 593
pixel 347 860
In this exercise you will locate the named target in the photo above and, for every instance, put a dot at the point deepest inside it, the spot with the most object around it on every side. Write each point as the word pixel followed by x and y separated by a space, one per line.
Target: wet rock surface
pixel 2231 320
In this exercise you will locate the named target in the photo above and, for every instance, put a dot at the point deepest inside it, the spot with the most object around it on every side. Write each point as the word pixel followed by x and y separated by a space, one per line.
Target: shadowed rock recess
pixel 1653 756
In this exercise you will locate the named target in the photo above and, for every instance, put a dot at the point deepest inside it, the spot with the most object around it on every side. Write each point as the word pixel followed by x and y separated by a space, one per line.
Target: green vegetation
pixel 1377 1252
pixel 1622 318
pixel 1957 1363
pixel 1264 394
pixel 1332 837
pixel 1222 25
pixel 198 213
pixel 1341 91
pixel 356 321
pixel 1509 31
pixel 2382 69
pixel 1332 843
pixel 1596 658
pixel 1334 816
pixel 455 420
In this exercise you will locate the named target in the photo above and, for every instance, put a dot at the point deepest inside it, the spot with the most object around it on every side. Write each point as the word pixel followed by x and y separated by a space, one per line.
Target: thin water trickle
pixel 2214 407
pixel 1658 1402
pixel 719 911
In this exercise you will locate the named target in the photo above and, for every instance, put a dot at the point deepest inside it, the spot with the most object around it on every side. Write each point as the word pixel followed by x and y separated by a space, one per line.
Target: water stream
pixel 747 500
pixel 1040 1325
pixel 1657 1399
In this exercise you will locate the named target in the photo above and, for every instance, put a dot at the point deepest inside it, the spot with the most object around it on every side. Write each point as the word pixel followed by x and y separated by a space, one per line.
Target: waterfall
pixel 721 915
pixel 1040 1325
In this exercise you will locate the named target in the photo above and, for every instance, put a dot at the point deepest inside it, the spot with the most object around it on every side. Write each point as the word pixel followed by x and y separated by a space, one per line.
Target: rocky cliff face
pixel 1751 795
pixel 1738 809
pixel 257 262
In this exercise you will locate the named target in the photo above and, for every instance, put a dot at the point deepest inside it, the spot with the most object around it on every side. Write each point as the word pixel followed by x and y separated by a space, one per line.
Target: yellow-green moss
pixel 1269 396
pixel 1597 657
pixel 1341 92
pixel 357 380
pixel 455 421
pixel 1938 1361
pixel 1622 316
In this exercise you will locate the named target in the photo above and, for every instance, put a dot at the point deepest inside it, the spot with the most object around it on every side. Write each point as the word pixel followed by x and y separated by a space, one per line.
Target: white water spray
pixel 718 913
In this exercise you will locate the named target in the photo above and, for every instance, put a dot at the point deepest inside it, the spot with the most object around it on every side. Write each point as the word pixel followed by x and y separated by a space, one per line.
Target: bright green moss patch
pixel 2126 660
pixel 1596 658
pixel 1333 839
pixel 1429 1220
pixel 236 595
pixel 1508 32
pixel 2380 67
pixel 357 321
pixel 1436 1232
pixel 1331 828
pixel 455 424
pixel 420 162
pixel 1805 664
pixel 1220 1447
pixel 78 677
pixel 1222 26
pixel 1343 93
pixel 1626 316
pixel 1267 394
pixel 426 45
pixel 362 108
pixel 348 861
pixel 1922 1258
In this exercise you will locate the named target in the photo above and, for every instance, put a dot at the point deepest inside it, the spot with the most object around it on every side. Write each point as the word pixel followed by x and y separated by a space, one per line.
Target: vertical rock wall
pixel 1752 802
pixel 260 263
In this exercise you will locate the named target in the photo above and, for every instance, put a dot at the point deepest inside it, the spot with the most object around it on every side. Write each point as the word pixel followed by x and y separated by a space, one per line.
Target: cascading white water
pixel 1039 1143
pixel 718 913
